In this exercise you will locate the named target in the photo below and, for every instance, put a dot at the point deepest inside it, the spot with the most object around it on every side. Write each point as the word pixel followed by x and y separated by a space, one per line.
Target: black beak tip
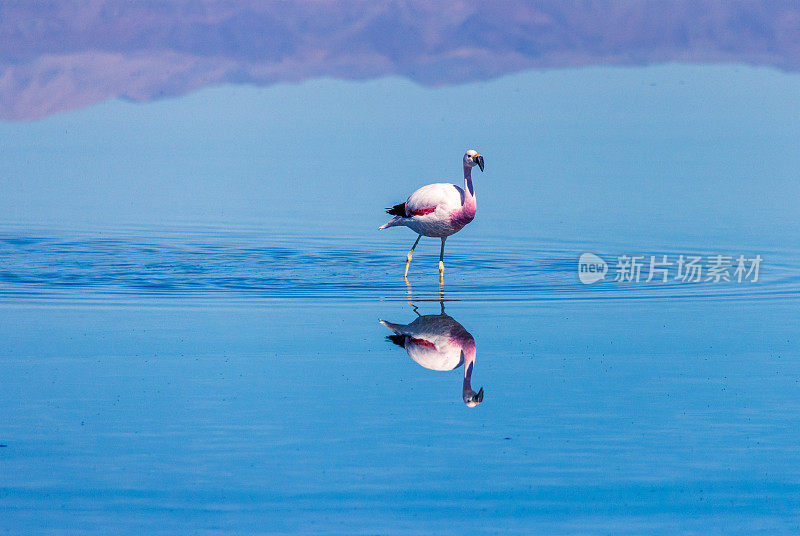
pixel 479 396
pixel 480 162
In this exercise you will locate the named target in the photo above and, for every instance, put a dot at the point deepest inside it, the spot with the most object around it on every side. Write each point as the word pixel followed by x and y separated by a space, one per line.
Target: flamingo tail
pixel 394 327
pixel 397 220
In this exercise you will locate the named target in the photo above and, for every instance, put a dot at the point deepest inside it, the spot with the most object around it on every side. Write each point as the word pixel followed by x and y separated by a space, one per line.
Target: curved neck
pixel 469 362
pixel 469 191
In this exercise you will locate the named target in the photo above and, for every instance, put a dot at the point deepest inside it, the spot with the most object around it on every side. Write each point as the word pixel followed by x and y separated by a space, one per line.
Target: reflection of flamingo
pixel 438 210
pixel 437 342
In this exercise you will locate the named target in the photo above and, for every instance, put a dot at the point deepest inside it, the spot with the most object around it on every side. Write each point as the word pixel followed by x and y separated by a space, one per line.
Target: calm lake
pixel 191 292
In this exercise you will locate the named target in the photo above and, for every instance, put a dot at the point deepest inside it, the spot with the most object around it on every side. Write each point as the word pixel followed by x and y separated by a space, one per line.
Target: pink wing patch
pixel 422 211
pixel 422 342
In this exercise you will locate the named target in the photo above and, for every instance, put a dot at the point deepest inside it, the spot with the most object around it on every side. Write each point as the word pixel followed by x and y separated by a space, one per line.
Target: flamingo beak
pixel 478 160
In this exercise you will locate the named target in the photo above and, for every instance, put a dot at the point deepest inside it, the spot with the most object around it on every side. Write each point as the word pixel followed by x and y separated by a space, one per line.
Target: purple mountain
pixel 58 55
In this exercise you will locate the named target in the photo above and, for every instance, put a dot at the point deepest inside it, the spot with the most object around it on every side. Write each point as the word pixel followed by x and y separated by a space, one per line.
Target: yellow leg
pixel 408 257
pixel 441 262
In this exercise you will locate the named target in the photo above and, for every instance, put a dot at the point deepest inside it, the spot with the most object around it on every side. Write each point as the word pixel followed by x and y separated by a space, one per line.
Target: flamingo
pixel 438 342
pixel 438 210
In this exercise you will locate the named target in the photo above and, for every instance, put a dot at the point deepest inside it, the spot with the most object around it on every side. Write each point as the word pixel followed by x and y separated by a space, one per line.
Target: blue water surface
pixel 190 292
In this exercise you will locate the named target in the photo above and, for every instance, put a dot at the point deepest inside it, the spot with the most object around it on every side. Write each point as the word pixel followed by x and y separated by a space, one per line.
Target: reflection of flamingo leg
pixel 410 254
pixel 410 295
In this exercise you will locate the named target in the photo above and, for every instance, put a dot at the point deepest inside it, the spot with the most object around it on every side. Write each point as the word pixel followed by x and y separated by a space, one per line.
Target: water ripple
pixel 143 264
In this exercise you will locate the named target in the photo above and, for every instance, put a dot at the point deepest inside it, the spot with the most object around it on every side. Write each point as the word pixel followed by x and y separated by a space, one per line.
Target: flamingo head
pixel 472 159
pixel 472 399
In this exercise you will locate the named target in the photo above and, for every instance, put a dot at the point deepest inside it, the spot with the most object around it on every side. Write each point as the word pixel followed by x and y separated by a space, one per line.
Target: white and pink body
pixel 439 210
pixel 438 342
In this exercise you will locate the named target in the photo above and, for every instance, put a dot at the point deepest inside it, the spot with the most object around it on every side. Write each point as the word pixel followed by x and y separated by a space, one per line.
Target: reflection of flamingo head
pixel 472 399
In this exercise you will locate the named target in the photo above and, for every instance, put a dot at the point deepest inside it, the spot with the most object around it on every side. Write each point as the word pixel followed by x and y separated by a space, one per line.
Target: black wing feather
pixel 399 340
pixel 397 210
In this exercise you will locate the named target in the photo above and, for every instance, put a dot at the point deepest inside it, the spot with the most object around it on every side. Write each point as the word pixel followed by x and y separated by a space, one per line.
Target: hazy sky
pixel 678 152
